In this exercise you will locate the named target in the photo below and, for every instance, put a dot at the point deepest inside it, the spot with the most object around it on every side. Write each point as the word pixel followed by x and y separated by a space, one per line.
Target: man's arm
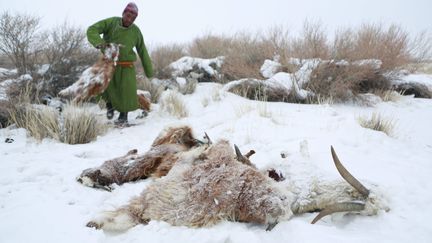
pixel 95 30
pixel 144 56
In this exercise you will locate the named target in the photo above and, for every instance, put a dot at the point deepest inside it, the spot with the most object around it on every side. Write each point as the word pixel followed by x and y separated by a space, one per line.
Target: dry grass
pixel 172 103
pixel 80 125
pixel 164 55
pixel 75 125
pixel 391 95
pixel 241 110
pixel 190 87
pixel 39 121
pixel 378 123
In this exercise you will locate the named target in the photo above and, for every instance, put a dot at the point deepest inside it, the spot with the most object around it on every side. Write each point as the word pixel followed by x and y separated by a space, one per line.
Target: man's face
pixel 128 18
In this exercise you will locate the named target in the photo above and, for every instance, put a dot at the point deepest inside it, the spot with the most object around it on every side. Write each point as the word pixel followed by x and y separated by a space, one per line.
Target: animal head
pixel 360 200
pixel 95 177
pixel 179 135
pixel 111 51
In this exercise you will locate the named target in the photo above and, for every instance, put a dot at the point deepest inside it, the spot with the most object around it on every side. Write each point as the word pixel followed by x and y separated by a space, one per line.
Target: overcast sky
pixel 169 21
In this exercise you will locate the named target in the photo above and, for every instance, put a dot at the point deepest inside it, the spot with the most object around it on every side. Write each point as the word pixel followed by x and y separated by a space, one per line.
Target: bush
pixel 80 125
pixel 75 125
pixel 164 55
pixel 378 123
pixel 343 82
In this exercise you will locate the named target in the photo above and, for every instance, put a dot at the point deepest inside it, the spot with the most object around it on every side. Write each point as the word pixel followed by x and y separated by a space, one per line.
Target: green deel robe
pixel 121 91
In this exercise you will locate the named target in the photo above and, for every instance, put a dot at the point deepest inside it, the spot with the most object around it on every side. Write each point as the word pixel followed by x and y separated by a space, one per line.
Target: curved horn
pixel 339 207
pixel 239 155
pixel 347 176
pixel 209 141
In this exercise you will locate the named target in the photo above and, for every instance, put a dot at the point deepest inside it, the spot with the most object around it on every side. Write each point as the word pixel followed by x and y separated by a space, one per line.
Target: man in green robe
pixel 121 93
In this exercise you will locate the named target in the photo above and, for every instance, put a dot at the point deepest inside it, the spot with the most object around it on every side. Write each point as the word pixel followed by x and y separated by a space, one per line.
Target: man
pixel 121 93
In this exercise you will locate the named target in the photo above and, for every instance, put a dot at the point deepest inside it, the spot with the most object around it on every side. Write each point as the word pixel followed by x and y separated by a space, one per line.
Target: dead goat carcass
pixel 95 79
pixel 132 166
pixel 207 185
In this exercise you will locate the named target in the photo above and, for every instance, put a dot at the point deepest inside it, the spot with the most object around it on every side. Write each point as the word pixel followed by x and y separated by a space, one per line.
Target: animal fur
pixel 131 167
pixel 204 187
pixel 95 79
pixel 208 184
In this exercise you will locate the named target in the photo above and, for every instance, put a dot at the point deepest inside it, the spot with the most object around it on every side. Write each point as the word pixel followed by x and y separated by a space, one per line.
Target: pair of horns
pixel 345 206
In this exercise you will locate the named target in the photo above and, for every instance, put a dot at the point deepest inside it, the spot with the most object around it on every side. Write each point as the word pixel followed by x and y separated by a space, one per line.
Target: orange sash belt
pixel 126 64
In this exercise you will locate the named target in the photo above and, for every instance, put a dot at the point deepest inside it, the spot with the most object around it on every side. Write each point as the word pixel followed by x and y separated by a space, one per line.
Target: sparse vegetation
pixel 75 125
pixel 80 125
pixel 378 123
pixel 172 103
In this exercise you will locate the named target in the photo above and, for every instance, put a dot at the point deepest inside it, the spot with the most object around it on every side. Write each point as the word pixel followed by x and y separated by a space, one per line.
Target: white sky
pixel 163 21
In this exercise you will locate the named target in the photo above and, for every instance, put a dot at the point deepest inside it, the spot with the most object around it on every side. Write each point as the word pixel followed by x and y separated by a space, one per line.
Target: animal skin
pixel 156 162
pixel 208 183
pixel 95 79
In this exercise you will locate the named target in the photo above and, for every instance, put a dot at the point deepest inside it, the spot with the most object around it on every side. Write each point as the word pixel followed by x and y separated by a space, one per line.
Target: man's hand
pixel 101 46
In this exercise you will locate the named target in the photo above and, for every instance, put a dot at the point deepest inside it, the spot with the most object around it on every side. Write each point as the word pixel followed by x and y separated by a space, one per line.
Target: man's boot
pixel 110 111
pixel 122 119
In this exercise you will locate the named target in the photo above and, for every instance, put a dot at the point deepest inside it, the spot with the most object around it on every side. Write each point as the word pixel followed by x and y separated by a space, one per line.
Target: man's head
pixel 129 14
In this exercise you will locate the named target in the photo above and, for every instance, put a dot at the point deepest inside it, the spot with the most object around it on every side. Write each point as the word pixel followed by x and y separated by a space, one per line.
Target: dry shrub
pixel 344 82
pixel 378 123
pixel 80 125
pixel 246 55
pixel 164 55
pixel 257 90
pixel 312 42
pixel 244 52
pixel 155 90
pixel 209 46
pixel 172 103
pixel 389 44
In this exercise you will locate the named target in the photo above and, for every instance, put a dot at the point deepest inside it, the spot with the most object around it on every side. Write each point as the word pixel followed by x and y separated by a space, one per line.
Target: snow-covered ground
pixel 40 200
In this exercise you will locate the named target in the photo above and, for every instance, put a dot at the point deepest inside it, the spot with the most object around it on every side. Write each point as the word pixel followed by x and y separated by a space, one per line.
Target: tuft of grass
pixel 378 123
pixel 80 125
pixel 172 103
pixel 263 110
pixel 76 125
pixel 39 121
pixel 391 95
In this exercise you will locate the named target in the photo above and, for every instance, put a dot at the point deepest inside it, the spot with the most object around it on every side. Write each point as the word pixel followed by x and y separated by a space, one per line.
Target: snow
pixel 186 64
pixel 40 200
pixel 420 78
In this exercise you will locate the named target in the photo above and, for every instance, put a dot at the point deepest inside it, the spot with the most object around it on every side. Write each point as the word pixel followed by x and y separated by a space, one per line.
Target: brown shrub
pixel 312 42
pixel 246 55
pixel 343 82
pixel 164 55
pixel 209 46
pixel 373 41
